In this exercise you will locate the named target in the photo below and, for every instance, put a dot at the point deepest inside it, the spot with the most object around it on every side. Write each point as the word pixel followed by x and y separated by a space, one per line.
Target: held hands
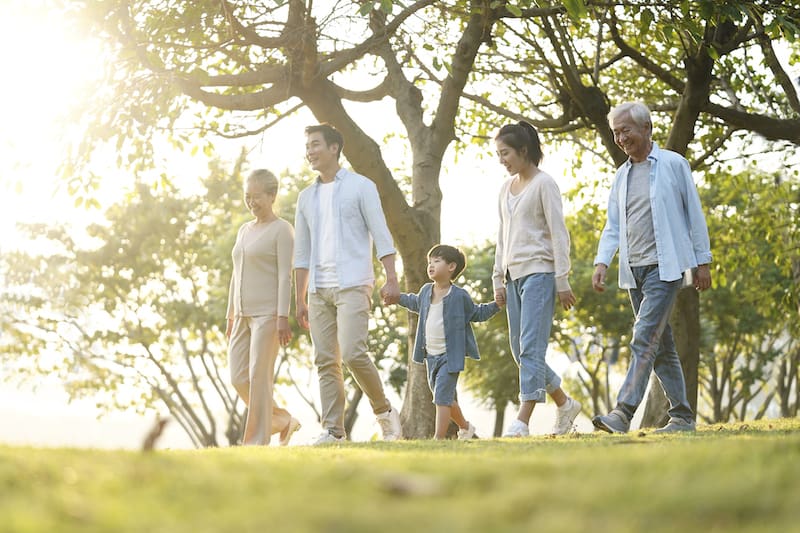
pixel 599 277
pixel 390 292
pixel 500 296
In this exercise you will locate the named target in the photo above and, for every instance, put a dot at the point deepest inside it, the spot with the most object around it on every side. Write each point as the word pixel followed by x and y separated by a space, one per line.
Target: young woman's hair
pixel 329 133
pixel 524 139
pixel 266 179
pixel 450 254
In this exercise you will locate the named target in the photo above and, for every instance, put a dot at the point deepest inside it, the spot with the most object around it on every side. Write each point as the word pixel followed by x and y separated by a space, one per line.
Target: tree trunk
pixel 685 322
pixel 351 413
pixel 418 415
pixel 499 420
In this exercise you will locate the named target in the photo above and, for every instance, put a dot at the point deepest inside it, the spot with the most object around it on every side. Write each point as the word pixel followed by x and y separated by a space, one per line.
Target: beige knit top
pixel 262 269
pixel 533 237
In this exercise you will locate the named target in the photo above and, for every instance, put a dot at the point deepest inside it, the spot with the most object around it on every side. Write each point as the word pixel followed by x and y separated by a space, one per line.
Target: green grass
pixel 742 477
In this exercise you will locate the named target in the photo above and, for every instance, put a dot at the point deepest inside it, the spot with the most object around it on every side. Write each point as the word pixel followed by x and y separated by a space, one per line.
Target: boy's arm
pixel 409 301
pixel 479 312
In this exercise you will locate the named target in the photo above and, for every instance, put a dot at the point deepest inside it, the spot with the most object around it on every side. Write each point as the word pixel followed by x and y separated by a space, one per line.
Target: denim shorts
pixel 442 383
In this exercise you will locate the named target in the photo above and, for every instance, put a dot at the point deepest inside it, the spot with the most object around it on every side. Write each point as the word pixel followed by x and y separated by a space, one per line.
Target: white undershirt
pixel 325 269
pixel 434 330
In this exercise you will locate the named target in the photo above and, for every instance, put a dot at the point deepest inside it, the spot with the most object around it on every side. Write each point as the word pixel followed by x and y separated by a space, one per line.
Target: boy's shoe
pixel 613 422
pixel 676 425
pixel 390 425
pixel 286 434
pixel 468 433
pixel 565 416
pixel 328 438
pixel 518 428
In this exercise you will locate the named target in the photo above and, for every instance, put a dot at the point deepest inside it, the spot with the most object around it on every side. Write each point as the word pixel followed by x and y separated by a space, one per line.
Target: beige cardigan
pixel 533 238
pixel 262 271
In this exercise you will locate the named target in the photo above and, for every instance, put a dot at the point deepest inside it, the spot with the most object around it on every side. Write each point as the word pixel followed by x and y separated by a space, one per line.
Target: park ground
pixel 733 477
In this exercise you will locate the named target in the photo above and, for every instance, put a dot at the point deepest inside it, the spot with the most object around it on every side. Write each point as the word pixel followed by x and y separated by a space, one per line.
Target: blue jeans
pixel 530 303
pixel 652 346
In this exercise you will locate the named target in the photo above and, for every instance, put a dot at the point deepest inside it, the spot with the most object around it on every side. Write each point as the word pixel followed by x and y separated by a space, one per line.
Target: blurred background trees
pixel 441 77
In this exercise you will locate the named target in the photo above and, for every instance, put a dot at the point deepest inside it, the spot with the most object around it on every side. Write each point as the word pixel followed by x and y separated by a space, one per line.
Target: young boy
pixel 444 333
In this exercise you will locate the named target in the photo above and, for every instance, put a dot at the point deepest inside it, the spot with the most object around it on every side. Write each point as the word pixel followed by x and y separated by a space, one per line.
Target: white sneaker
pixel 390 425
pixel 466 434
pixel 294 425
pixel 328 438
pixel 565 416
pixel 518 428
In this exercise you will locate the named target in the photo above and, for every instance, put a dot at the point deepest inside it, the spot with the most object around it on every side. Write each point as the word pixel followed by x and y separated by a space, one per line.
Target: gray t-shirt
pixel 641 237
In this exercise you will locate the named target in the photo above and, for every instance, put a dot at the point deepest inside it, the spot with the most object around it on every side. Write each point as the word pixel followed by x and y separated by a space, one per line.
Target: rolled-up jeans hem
pixel 536 396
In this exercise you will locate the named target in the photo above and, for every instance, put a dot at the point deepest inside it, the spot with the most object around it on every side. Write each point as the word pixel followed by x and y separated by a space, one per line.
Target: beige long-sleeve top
pixel 533 237
pixel 262 270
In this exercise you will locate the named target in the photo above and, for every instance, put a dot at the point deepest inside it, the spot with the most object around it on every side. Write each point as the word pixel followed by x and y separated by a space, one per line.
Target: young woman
pixel 531 271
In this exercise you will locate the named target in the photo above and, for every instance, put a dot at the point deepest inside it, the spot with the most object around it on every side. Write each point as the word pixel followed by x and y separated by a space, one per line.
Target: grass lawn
pixel 743 477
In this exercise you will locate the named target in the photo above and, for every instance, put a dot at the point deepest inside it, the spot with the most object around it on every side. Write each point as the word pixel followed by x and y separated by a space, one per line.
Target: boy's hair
pixel 329 133
pixel 450 254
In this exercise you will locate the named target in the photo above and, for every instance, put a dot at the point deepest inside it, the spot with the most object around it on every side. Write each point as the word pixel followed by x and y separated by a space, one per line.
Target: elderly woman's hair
pixel 523 138
pixel 639 113
pixel 266 179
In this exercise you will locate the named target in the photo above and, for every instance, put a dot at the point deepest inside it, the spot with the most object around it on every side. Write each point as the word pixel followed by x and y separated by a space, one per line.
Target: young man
pixel 338 217
pixel 656 221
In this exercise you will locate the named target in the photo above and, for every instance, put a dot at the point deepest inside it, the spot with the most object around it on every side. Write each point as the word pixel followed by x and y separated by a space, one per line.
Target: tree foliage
pixel 709 70
pixel 130 314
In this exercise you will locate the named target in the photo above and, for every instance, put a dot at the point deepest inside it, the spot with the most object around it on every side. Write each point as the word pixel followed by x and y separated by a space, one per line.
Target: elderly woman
pixel 258 310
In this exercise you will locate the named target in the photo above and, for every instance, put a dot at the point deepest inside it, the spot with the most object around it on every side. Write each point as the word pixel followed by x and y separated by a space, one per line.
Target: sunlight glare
pixel 47 70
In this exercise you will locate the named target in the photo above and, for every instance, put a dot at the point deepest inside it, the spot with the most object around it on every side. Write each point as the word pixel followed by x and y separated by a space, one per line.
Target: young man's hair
pixel 329 133
pixel 450 254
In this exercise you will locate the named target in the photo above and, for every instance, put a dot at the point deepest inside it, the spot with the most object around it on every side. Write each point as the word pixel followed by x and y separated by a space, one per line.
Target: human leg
pixel 669 371
pixel 263 352
pixel 652 302
pixel 353 312
pixel 352 315
pixel 328 360
pixel 443 387
pixel 442 421
pixel 533 307
pixel 239 358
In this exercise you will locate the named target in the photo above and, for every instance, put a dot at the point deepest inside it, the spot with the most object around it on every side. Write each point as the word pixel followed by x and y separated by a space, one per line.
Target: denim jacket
pixel 459 310
pixel 678 222
pixel 359 220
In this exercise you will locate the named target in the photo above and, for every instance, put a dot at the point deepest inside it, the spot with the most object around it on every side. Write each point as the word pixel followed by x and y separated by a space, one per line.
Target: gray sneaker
pixel 613 422
pixel 676 425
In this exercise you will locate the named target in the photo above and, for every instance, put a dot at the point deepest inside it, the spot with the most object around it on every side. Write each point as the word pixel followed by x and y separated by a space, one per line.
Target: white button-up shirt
pixel 359 220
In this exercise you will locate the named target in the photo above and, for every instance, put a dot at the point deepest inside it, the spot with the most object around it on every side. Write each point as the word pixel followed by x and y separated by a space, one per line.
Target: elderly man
pixel 656 222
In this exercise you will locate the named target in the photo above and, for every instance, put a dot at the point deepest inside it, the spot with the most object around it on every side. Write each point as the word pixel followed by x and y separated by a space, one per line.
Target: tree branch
pixel 771 128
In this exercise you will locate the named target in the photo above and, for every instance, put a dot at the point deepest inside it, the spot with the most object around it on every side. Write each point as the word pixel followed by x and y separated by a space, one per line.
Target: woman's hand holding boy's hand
pixel 500 296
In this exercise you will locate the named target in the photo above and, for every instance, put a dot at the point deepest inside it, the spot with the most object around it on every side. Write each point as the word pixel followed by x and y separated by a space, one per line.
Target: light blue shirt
pixel 359 221
pixel 678 222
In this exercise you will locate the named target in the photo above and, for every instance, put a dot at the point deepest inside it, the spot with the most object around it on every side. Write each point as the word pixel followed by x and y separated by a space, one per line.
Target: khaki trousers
pixel 339 323
pixel 252 351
